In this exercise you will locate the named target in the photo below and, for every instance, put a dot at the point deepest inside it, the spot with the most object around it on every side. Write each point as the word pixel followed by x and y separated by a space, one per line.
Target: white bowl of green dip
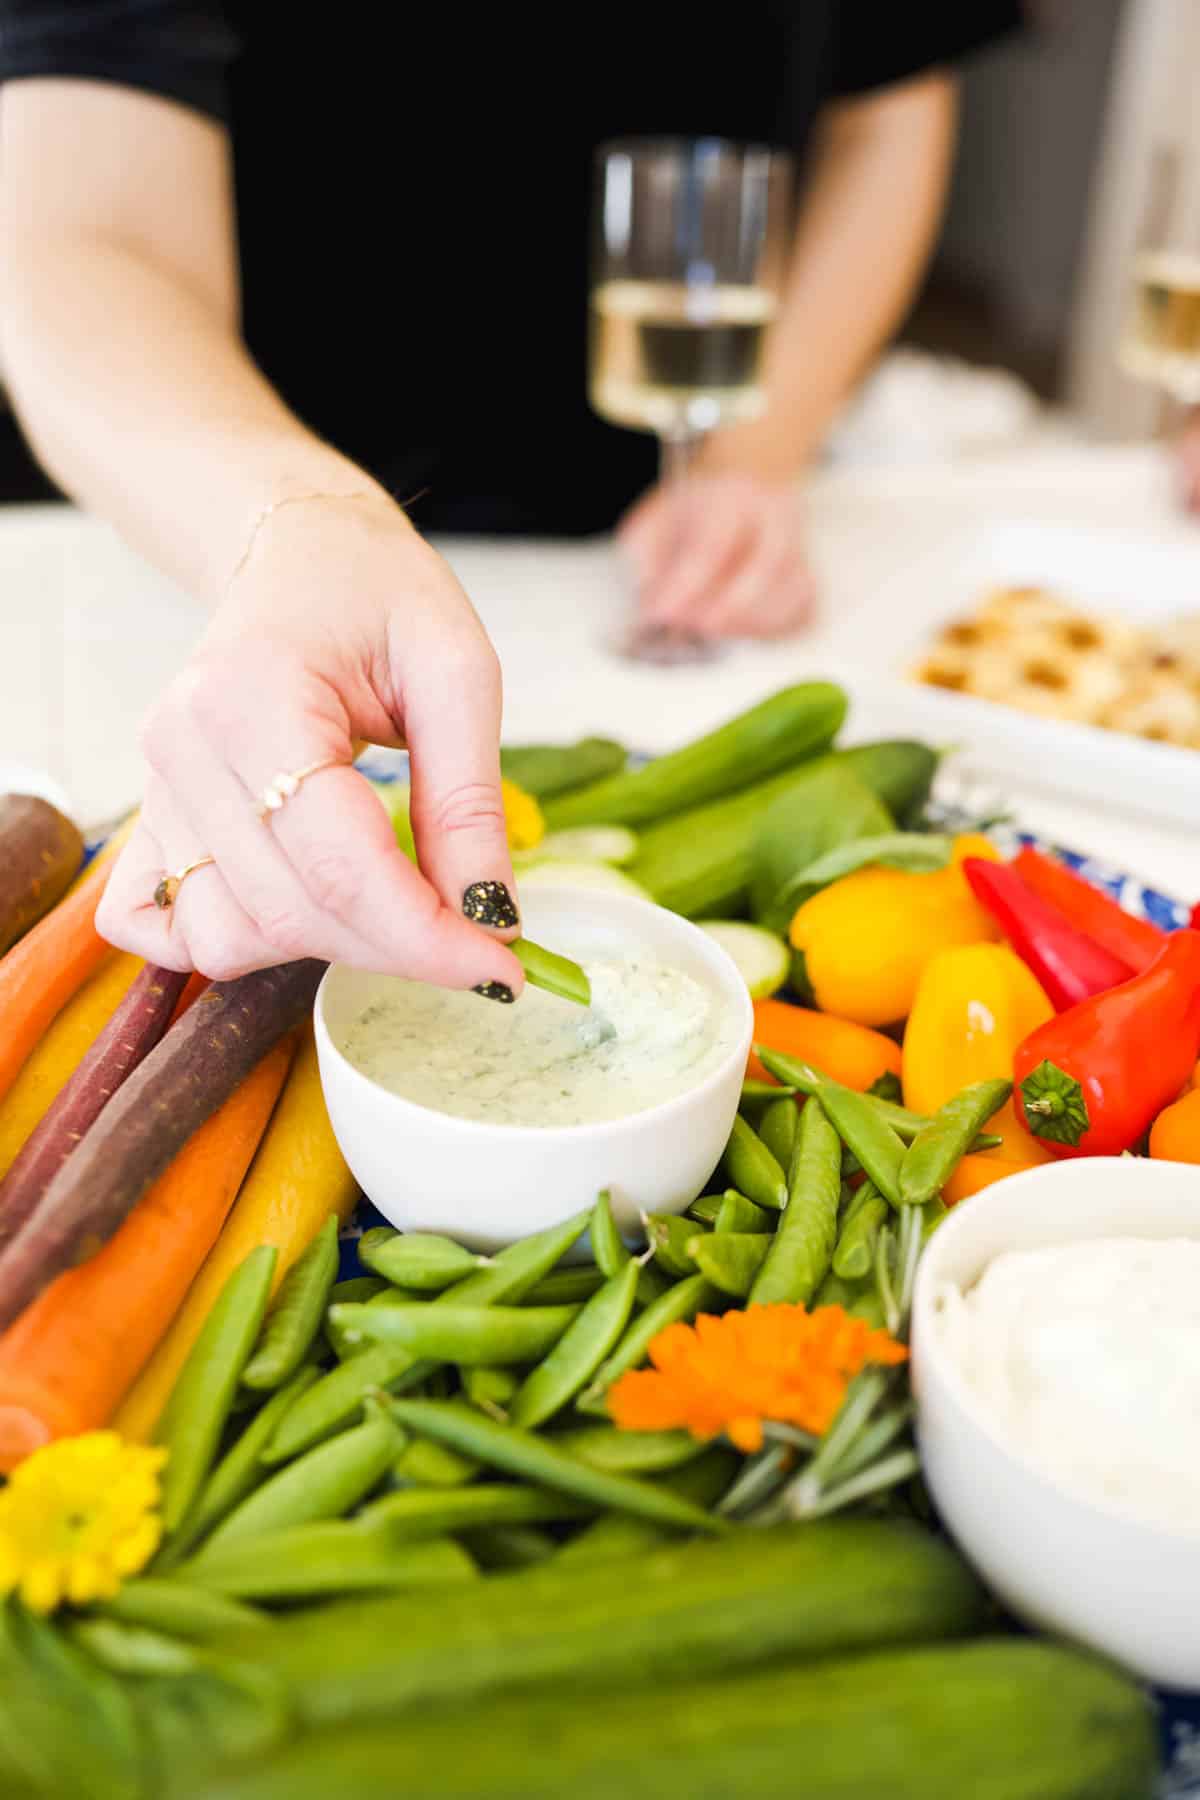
pixel 489 1122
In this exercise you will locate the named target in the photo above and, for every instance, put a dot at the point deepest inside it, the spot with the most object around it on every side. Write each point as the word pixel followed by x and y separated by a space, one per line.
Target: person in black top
pixel 268 274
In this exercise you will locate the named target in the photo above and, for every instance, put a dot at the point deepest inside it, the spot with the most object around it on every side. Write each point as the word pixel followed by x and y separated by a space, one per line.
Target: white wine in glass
pixel 1162 332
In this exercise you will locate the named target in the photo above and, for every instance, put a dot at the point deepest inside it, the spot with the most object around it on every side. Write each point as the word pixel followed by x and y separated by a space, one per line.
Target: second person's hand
pixel 343 625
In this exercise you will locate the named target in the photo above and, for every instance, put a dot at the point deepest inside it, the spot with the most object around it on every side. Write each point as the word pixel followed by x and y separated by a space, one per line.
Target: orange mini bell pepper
pixel 867 938
pixel 1175 1134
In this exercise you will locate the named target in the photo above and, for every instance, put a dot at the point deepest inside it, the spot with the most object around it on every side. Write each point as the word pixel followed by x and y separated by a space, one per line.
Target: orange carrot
pixel 70 1357
pixel 852 1054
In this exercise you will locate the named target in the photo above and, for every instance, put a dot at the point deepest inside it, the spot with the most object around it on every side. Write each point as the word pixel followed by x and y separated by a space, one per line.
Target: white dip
pixel 1087 1358
pixel 537 1062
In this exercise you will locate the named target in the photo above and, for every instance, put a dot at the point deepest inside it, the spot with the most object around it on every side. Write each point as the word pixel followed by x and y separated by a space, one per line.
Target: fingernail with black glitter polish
pixel 490 903
pixel 495 990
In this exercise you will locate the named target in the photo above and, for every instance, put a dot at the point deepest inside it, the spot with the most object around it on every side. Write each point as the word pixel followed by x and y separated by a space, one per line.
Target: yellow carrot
pixel 297 1179
pixel 61 1050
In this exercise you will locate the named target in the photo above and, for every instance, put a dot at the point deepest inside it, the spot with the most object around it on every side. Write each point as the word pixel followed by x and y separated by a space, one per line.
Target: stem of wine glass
pixel 677 451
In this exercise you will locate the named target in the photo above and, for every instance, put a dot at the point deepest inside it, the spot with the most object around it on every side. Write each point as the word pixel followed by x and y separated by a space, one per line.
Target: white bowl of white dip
pixel 1056 1367
pixel 488 1122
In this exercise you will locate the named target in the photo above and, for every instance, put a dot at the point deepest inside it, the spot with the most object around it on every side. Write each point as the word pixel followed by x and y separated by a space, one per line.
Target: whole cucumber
pixel 791 725
pixel 791 1590
pixel 1000 1719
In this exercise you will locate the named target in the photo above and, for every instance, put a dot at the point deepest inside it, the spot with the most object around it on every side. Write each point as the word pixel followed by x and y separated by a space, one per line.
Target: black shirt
pixel 413 203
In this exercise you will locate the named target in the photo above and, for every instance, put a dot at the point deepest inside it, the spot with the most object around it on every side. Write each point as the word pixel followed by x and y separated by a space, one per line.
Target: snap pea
pixel 417 1259
pixel 199 1403
pixel 608 1247
pixel 294 1319
pixel 877 1147
pixel 509 1547
pixel 239 1471
pixel 652 1284
pixel 176 1609
pixel 424 1512
pixel 679 1304
pixel 732 1261
pixel 805 1078
pixel 670 1236
pixel 491 1388
pixel 777 1129
pixel 937 1149
pixel 854 1252
pixel 756 1096
pixel 335 1399
pixel 422 1463
pixel 564 1287
pixel 133 1649
pixel 629 1452
pixel 579 1351
pixel 833 1291
pixel 461 1334
pixel 356 1291
pixel 798 1256
pixel 328 1557
pixel 932 1214
pixel 610 1538
pixel 323 1484
pixel 736 1213
pixel 868 1307
pixel 533 1458
pixel 557 974
pixel 705 1209
pixel 752 1169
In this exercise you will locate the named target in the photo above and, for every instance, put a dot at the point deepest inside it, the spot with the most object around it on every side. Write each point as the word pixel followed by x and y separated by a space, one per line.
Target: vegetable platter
pixel 288 1491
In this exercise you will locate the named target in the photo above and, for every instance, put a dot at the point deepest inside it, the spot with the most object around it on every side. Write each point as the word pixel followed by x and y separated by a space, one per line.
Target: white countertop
pixel 91 633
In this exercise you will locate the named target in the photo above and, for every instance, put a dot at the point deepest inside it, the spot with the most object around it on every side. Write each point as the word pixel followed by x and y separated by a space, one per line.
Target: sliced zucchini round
pixel 761 957
pixel 550 873
pixel 585 843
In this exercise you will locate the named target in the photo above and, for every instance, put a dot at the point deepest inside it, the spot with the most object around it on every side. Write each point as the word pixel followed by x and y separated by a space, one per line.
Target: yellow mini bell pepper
pixel 522 817
pixel 867 938
pixel 974 1004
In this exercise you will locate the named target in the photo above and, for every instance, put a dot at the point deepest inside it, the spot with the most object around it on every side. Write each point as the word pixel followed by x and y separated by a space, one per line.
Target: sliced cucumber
pixel 585 843
pixel 582 875
pixel 761 957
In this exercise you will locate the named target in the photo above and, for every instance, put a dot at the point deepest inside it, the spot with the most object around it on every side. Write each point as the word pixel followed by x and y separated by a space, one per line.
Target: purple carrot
pixel 130 1034
pixel 189 1074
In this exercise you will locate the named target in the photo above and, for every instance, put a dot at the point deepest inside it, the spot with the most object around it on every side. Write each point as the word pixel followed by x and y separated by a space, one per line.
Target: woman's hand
pixel 720 555
pixel 1187 450
pixel 343 625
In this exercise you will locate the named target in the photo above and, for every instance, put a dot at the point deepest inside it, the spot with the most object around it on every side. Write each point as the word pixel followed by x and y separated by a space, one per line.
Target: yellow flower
pixel 78 1516
pixel 522 816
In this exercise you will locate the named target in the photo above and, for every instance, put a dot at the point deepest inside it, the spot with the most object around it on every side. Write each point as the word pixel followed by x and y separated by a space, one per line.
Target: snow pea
pixel 323 1484
pixel 579 1351
pixel 752 1169
pixel 798 1256
pixel 461 1334
pixel 732 1260
pixel 854 1252
pixel 326 1557
pixel 200 1400
pixel 294 1319
pixel 417 1259
pixel 680 1303
pixel 427 1512
pixel 736 1213
pixel 938 1147
pixel 532 1458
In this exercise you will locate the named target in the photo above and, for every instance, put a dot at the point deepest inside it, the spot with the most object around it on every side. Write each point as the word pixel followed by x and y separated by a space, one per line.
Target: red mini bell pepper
pixel 1092 1081
pixel 1131 940
pixel 1069 964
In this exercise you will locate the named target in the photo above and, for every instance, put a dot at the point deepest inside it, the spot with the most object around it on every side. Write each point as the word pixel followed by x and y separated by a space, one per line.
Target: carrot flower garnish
pixel 730 1373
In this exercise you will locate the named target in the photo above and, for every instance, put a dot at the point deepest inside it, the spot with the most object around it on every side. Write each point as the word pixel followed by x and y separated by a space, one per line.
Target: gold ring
pixel 167 891
pixel 281 788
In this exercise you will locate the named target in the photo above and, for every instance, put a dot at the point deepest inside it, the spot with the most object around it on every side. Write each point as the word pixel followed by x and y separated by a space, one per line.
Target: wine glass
pixel 689 251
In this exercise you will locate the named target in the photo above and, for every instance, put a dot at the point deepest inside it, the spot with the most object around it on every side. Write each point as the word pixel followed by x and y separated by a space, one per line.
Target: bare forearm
pixel 866 227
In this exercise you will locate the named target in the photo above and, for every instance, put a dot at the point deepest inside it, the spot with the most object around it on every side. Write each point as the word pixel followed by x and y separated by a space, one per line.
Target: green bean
pixel 426 1512
pixel 670 1237
pixel 329 1557
pixel 239 1471
pixel 798 1256
pixel 417 1259
pixel 609 1249
pixel 854 1252
pixel 751 1168
pixel 461 1334
pixel 877 1147
pixel 705 1209
pixel 509 1547
pixel 533 1458
pixel 629 1452
pixel 335 1400
pixel 732 1261
pixel 176 1609
pixel 199 1404
pixel 491 1388
pixel 736 1213
pixel 578 1353
pixel 424 1464
pixel 777 1129
pixel 565 1287
pixel 323 1484
pixel 939 1147
pixel 294 1319
pixel 678 1304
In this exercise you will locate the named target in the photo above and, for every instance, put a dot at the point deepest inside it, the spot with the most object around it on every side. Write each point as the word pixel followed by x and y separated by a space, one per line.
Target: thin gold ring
pixel 167 891
pixel 281 788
